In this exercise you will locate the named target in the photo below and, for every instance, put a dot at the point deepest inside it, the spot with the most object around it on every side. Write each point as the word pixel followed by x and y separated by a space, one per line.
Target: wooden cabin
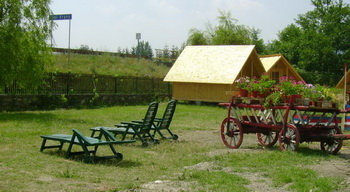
pixel 277 66
pixel 208 73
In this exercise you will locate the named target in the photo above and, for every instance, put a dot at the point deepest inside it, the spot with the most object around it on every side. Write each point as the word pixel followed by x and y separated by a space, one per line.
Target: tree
pixel 145 49
pixel 228 32
pixel 86 48
pixel 196 37
pixel 174 52
pixel 319 42
pixel 119 51
pixel 24 30
pixel 258 42
pixel 166 51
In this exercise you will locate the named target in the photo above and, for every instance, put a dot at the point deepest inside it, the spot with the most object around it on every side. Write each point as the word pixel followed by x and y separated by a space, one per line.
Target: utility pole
pixel 138 37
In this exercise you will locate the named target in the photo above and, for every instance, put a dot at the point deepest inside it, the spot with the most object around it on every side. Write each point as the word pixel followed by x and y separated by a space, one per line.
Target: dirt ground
pixel 257 181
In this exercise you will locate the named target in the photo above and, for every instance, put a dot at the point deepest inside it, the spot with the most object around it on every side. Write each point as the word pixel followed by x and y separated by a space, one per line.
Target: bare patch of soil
pixel 258 182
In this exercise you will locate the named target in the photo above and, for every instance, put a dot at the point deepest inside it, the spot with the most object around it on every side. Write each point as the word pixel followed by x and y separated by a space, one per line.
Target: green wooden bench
pixel 140 129
pixel 85 142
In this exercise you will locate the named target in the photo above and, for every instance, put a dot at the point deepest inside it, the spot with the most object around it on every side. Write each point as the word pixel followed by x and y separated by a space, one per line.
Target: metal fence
pixel 78 84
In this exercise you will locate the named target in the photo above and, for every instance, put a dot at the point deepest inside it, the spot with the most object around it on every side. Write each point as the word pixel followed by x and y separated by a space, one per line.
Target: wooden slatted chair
pixel 140 129
pixel 85 142
pixel 163 123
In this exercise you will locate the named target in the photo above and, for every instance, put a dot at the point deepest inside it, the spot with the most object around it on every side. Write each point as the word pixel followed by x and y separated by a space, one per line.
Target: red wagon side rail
pixel 289 124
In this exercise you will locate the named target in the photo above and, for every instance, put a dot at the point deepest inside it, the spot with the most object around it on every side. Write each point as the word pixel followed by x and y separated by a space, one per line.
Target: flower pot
pixel 302 101
pixel 247 100
pixel 326 104
pixel 237 100
pixel 243 93
pixel 318 103
pixel 285 99
pixel 262 95
pixel 306 102
pixel 334 105
pixel 254 93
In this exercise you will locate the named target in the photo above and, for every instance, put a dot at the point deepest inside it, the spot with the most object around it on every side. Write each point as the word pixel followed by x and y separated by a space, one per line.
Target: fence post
pixel 115 85
pixel 67 83
pixel 136 84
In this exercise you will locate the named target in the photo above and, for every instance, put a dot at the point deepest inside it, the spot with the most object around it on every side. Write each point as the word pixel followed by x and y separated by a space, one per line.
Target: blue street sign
pixel 61 17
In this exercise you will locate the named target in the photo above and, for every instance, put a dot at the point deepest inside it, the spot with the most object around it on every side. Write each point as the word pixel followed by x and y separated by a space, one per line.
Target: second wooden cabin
pixel 276 66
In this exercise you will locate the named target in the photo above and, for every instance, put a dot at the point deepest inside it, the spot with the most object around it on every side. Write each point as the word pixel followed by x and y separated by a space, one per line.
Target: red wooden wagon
pixel 290 124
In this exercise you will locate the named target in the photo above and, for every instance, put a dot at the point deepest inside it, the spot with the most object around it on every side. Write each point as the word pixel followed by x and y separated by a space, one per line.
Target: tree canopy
pixel 145 49
pixel 228 32
pixel 319 42
pixel 24 30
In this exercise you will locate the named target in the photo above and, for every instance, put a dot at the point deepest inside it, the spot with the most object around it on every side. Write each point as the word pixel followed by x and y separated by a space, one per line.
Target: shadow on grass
pixel 318 152
pixel 113 162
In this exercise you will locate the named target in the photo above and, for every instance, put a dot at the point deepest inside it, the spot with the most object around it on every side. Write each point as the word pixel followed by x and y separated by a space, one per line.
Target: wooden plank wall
pixel 202 92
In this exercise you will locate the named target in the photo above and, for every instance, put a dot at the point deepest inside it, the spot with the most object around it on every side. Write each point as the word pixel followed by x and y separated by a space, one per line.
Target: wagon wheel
pixel 289 142
pixel 332 146
pixel 267 140
pixel 231 132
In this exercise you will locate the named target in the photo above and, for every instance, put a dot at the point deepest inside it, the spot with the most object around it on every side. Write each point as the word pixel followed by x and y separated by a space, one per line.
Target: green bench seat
pixel 84 142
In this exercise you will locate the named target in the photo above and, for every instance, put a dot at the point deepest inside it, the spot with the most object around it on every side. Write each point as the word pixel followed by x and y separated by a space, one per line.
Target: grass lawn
pixel 198 161
pixel 107 65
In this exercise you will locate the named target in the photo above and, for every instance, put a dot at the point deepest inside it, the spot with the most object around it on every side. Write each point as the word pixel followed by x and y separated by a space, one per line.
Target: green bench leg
pixel 52 146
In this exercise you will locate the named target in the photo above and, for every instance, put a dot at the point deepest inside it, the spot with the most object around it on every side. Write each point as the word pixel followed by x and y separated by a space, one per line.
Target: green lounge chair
pixel 140 129
pixel 164 122
pixel 79 139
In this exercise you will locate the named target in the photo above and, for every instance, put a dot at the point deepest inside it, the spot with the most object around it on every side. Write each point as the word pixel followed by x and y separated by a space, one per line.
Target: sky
pixel 107 25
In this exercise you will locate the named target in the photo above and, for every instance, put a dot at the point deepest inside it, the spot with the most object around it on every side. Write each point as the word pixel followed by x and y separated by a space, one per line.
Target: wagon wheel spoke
pixel 292 147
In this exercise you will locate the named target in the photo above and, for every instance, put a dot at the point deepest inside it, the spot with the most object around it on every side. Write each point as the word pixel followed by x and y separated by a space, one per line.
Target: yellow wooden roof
pixel 269 61
pixel 210 64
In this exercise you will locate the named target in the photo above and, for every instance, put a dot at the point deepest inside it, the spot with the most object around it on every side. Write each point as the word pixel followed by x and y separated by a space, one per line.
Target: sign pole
pixel 63 17
pixel 69 42
pixel 138 37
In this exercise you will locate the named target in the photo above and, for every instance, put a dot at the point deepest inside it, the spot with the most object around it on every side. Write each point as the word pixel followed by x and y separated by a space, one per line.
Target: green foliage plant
pixel 243 82
pixel 264 84
pixel 274 98
pixel 24 30
pixel 315 92
pixel 289 86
